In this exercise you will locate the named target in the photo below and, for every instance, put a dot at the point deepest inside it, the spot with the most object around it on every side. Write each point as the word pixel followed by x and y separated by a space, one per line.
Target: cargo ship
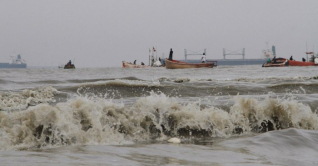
pixel 267 53
pixel 15 62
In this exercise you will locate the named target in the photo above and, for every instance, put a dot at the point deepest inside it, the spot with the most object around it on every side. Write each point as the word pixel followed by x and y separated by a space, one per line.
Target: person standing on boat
pixel 291 58
pixel 274 59
pixel 135 62
pixel 203 59
pixel 170 54
pixel 69 62
pixel 304 60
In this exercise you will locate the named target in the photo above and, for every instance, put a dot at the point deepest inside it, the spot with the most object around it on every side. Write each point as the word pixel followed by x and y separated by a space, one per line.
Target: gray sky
pixel 102 33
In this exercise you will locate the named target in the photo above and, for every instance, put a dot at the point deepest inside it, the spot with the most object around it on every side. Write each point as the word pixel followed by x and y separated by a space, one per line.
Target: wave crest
pixel 84 121
pixel 10 101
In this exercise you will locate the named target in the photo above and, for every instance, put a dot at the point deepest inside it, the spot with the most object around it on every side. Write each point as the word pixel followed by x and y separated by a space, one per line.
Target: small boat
pixel 174 64
pixel 131 65
pixel 280 62
pixel 69 66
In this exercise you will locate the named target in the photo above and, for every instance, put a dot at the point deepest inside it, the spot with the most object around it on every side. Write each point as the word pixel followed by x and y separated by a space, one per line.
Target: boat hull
pixel 174 64
pixel 69 67
pixel 300 63
pixel 280 62
pixel 130 65
pixel 283 63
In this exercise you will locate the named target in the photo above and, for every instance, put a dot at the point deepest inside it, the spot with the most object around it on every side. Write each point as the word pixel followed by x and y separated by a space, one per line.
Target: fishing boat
pixel 69 66
pixel 131 65
pixel 174 64
pixel 280 62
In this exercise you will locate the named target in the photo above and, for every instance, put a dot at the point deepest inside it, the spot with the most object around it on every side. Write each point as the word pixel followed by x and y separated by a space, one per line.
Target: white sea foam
pixel 10 101
pixel 84 121
pixel 174 140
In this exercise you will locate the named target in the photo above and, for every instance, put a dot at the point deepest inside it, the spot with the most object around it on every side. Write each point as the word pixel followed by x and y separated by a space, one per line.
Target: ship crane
pixel 229 52
pixel 186 54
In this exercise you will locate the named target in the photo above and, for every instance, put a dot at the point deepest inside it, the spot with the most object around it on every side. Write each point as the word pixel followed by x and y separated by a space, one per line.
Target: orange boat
pixel 174 64
pixel 300 63
pixel 282 62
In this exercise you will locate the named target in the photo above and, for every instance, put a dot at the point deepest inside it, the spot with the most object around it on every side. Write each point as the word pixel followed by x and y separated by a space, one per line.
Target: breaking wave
pixel 11 101
pixel 94 121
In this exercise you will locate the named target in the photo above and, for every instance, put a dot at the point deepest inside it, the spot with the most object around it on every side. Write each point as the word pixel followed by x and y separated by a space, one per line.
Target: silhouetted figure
pixel 135 62
pixel 304 60
pixel 291 58
pixel 274 59
pixel 203 59
pixel 69 62
pixel 170 54
pixel 142 63
pixel 159 59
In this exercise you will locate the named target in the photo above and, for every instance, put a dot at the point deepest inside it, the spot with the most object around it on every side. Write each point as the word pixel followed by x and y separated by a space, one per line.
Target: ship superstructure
pixel 15 62
pixel 265 55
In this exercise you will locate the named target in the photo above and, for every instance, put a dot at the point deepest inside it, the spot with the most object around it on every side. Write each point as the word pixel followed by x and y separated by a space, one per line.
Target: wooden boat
pixel 131 65
pixel 69 66
pixel 174 64
pixel 280 62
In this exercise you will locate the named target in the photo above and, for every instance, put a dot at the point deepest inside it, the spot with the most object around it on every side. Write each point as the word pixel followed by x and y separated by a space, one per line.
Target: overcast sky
pixel 102 33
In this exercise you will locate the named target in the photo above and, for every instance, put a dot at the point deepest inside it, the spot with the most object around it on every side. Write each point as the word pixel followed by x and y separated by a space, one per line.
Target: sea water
pixel 228 115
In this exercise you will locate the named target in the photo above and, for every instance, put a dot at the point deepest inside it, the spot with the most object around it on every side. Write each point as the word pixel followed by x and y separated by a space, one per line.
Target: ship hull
pixel 8 65
pixel 232 62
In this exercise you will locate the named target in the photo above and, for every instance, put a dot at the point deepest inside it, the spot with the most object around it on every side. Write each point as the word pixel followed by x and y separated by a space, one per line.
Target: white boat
pixel 131 65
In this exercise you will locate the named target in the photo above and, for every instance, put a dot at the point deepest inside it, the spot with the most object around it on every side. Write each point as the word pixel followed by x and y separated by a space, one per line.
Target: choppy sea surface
pixel 229 115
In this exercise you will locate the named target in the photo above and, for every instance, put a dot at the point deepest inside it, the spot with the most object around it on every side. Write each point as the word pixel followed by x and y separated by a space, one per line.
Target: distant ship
pixel 15 62
pixel 220 62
